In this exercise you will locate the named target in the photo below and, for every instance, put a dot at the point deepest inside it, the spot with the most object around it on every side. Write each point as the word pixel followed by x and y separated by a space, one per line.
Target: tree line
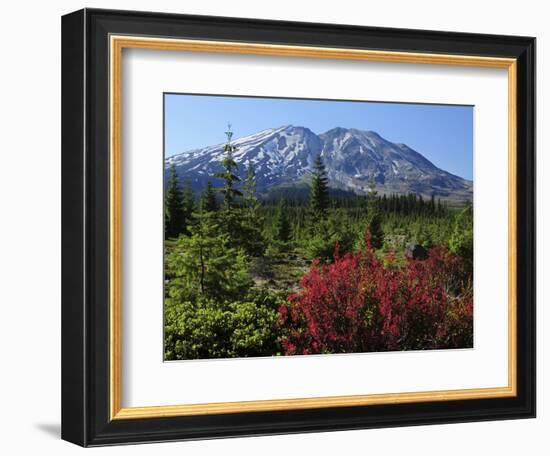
pixel 235 208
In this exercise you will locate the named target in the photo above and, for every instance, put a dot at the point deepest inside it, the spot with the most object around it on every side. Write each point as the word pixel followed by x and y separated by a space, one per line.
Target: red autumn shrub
pixel 360 304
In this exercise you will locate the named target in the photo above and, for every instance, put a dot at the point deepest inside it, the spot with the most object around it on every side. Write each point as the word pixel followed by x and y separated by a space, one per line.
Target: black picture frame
pixel 85 228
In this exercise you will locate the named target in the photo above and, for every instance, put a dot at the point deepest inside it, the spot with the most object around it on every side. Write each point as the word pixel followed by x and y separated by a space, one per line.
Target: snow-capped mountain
pixel 284 156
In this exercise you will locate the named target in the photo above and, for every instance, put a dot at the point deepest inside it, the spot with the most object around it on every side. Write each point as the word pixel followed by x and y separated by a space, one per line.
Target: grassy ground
pixel 279 271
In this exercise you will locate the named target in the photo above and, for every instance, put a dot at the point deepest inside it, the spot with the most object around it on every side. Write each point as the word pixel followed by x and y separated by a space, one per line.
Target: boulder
pixel 416 252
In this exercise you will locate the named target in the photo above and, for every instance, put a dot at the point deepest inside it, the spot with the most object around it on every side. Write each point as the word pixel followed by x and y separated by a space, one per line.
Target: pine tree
pixel 421 205
pixel 250 232
pixel 229 192
pixel 208 201
pixel 375 229
pixel 188 205
pixel 385 203
pixel 462 237
pixel 431 207
pixel 319 197
pixel 249 188
pixel 372 193
pixel 207 262
pixel 283 230
pixel 439 207
pixel 374 218
pixel 229 217
pixel 174 215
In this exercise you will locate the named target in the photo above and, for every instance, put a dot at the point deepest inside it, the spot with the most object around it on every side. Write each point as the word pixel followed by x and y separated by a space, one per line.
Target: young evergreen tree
pixel 174 215
pixel 421 205
pixel 374 217
pixel 251 223
pixel 188 206
pixel 230 216
pixel 207 264
pixel 208 201
pixel 283 230
pixel 431 206
pixel 462 237
pixel 372 193
pixel 319 197
pixel 385 203
pixel 229 192
pixel 375 229
pixel 249 188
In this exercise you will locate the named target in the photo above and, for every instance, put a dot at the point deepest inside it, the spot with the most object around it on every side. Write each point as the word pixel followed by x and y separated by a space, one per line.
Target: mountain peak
pixel 285 156
pixel 336 131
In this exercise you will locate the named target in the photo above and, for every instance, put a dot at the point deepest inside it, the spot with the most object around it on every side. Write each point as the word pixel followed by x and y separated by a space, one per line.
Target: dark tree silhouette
pixel 208 199
pixel 319 197
pixel 174 213
pixel 283 229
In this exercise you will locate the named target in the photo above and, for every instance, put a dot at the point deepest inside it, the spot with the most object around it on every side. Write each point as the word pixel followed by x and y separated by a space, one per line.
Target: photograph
pixel 316 227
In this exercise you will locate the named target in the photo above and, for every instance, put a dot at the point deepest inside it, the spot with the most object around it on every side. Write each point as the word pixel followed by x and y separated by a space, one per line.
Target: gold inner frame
pixel 117 44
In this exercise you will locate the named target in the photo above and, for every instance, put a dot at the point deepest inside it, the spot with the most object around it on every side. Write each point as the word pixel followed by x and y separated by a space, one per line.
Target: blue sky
pixel 442 133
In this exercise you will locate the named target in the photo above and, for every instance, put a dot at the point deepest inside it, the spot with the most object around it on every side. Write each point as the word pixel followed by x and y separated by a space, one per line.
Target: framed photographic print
pixel 279 227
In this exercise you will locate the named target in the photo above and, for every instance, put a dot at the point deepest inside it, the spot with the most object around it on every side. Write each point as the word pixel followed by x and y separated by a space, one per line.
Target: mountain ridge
pixel 285 155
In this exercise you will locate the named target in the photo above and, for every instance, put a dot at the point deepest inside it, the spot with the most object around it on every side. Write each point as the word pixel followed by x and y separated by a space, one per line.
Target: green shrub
pixel 206 264
pixel 326 233
pixel 207 328
pixel 461 241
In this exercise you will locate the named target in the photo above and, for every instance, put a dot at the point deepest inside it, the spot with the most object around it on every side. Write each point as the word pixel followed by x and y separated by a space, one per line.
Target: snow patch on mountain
pixel 285 156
